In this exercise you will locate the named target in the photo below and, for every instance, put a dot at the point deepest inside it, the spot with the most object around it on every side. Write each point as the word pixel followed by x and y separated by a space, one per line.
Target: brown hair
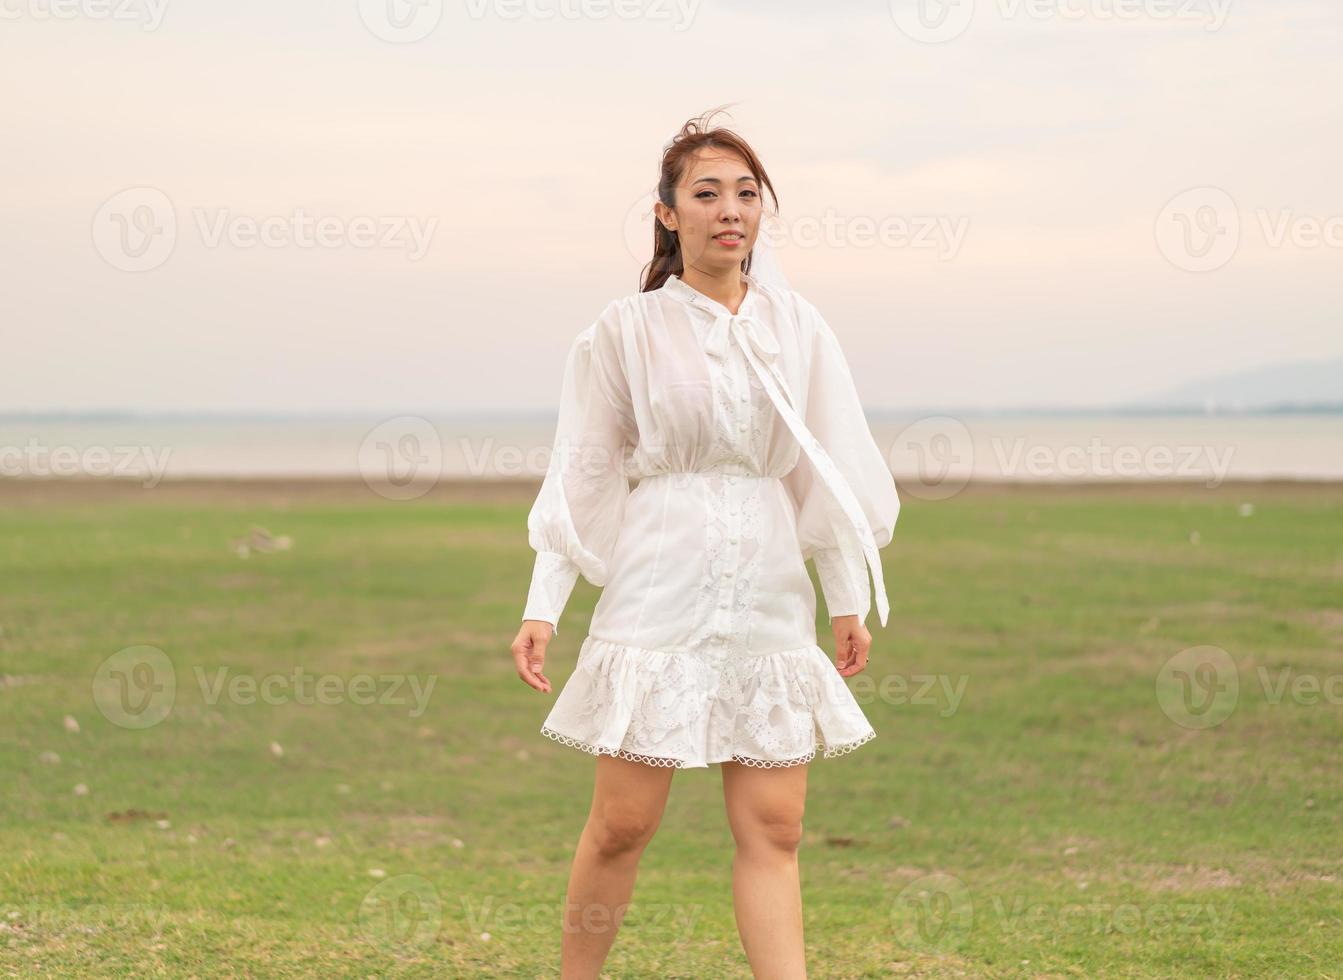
pixel 694 136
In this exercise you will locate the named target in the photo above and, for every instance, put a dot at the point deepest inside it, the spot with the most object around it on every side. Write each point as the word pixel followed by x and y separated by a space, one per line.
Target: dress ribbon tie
pixel 761 348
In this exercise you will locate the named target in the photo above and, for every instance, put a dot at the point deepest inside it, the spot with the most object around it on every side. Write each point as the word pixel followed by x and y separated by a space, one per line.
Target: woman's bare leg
pixel 764 810
pixel 627 803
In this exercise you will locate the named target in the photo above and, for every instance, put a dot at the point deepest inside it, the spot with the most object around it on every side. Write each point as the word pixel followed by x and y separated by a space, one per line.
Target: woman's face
pixel 716 199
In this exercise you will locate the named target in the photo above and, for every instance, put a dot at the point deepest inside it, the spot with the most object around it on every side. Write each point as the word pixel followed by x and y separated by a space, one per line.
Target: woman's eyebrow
pixel 715 180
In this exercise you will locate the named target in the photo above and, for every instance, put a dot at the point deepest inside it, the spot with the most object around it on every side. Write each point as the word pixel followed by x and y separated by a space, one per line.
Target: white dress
pixel 751 454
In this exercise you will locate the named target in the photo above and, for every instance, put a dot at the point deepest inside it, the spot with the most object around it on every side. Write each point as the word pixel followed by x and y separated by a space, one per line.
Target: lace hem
pixel 621 753
pixel 830 752
pixel 835 750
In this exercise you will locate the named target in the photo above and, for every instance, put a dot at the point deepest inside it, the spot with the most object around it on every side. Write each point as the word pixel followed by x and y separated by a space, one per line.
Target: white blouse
pixel 734 423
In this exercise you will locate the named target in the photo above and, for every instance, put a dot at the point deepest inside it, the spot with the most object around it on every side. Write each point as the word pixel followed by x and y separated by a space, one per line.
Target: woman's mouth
pixel 730 240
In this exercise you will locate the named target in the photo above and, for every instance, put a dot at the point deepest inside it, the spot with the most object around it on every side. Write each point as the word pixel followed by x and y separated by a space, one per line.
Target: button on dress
pixel 701 458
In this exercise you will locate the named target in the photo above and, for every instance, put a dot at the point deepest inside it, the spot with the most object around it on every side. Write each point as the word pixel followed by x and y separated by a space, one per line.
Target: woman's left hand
pixel 852 641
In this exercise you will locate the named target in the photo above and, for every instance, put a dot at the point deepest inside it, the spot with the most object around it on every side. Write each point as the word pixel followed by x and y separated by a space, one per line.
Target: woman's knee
pixel 617 829
pixel 776 831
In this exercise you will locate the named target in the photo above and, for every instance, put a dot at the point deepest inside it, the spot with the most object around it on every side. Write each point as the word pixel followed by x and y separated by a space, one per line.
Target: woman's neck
pixel 729 289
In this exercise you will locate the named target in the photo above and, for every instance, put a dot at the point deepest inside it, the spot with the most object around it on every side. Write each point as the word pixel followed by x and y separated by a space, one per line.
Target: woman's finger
pixel 529 655
pixel 845 654
pixel 535 663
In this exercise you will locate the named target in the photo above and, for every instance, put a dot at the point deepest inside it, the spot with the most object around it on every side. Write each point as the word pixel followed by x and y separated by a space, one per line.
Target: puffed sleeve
pixel 574 521
pixel 834 414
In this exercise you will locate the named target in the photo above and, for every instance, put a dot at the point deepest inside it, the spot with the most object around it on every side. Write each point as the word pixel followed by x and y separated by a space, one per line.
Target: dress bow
pixel 749 331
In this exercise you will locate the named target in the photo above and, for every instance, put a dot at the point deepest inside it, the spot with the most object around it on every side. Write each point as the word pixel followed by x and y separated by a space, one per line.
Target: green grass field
pixel 1043 799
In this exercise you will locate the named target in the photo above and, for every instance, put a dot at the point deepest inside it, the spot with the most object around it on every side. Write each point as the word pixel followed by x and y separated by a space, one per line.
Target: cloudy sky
pixel 381 205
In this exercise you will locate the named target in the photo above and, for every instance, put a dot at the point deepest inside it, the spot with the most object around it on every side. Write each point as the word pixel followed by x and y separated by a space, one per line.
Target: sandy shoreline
pixel 281 490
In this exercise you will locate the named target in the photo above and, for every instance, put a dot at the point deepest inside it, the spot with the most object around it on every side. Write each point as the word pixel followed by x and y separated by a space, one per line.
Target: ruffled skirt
pixel 702 647
pixel 691 710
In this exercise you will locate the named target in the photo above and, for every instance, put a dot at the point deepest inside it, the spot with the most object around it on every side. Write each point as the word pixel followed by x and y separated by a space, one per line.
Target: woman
pixel 729 400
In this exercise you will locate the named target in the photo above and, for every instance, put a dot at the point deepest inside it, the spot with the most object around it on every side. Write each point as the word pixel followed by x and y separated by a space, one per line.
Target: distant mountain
pixel 1313 384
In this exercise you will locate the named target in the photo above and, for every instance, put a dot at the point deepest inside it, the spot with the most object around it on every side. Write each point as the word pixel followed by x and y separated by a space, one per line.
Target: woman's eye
pixel 703 194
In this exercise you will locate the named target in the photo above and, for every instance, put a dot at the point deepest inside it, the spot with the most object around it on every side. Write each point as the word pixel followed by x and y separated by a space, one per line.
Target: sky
pixel 384 204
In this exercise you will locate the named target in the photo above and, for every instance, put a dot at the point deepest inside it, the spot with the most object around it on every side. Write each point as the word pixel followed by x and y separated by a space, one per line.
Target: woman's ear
pixel 664 216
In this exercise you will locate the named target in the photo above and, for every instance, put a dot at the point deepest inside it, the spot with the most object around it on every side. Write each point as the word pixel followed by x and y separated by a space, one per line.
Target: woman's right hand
pixel 529 652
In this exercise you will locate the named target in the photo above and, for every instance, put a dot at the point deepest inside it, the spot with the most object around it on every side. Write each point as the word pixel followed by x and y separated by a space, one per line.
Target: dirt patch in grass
pixel 1327 621
pixel 237 581
pixel 275 492
pixel 1185 878
pixel 280 491
pixel 399 829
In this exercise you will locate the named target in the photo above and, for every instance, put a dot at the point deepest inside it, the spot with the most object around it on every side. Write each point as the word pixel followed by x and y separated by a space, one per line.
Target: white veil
pixel 765 264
